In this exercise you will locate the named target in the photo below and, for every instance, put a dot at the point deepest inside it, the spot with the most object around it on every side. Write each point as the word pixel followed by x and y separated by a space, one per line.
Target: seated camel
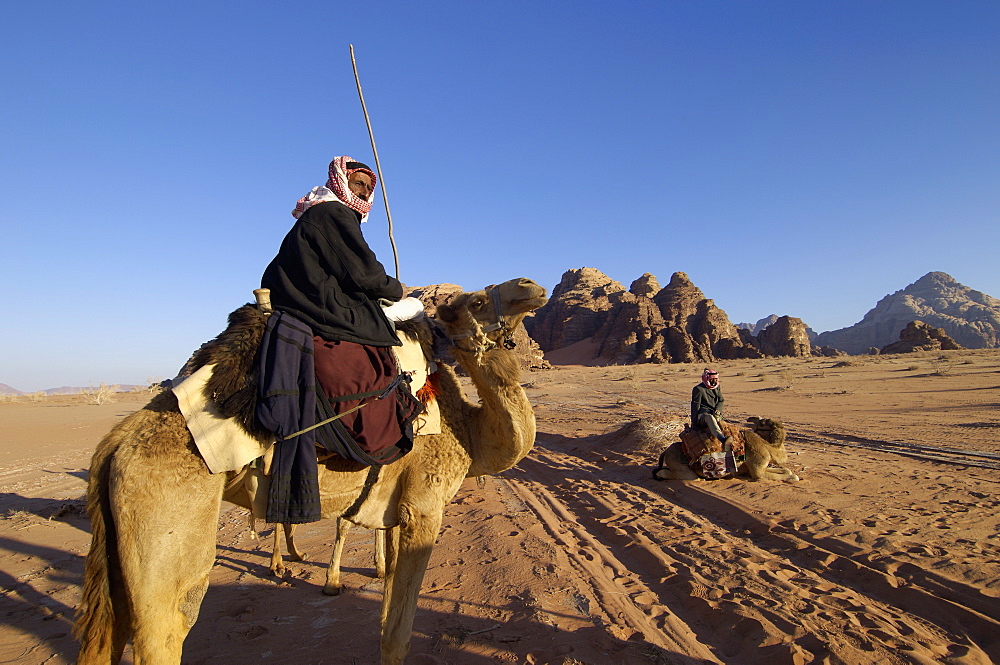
pixel 764 447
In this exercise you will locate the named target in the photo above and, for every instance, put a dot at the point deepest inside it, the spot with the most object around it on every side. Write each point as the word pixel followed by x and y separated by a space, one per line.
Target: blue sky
pixel 799 157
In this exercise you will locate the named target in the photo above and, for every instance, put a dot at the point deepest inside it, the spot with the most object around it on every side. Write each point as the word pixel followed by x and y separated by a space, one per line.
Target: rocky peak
pixel 646 286
pixel 971 318
pixel 755 328
pixel 679 298
pixel 647 323
pixel 576 309
pixel 433 295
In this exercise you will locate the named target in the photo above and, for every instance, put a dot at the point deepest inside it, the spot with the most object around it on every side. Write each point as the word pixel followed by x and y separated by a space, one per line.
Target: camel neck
pixel 505 422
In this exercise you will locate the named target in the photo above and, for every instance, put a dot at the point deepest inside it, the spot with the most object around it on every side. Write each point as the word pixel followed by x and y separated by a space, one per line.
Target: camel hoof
pixel 332 590
pixel 656 474
pixel 297 556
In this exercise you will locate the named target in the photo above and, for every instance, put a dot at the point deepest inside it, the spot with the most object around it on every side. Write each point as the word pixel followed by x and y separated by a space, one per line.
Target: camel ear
pixel 446 313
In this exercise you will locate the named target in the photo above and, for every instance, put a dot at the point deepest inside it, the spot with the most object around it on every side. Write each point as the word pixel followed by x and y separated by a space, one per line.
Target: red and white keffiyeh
pixel 710 378
pixel 336 188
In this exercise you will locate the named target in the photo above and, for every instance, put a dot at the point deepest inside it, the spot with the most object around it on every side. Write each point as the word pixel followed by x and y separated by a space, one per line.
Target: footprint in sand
pixel 805 607
pixel 645 600
pixel 551 656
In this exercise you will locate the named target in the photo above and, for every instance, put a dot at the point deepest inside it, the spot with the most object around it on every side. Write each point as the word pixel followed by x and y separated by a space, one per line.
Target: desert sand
pixel 887 551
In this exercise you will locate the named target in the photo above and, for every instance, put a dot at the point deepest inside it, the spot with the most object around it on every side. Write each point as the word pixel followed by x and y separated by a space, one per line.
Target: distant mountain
pixel 969 317
pixel 64 390
pixel 755 328
pixel 69 390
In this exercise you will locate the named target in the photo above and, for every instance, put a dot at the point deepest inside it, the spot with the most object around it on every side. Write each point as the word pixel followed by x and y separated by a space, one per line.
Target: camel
pixel 764 445
pixel 153 503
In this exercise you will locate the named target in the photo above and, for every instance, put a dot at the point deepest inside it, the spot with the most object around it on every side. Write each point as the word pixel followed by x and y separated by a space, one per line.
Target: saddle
pixel 705 454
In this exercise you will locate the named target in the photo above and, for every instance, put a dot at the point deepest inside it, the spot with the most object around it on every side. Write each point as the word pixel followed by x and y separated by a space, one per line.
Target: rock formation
pixel 433 295
pixel 918 336
pixel 576 310
pixel 696 330
pixel 971 318
pixel 647 323
pixel 786 336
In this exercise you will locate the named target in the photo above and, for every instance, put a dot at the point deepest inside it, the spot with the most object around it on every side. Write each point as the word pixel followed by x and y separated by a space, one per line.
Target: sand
pixel 887 551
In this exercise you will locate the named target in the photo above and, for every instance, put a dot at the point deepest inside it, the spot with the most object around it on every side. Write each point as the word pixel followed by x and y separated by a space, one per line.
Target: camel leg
pixel 167 517
pixel 771 473
pixel 381 535
pixel 277 566
pixel 293 552
pixel 408 555
pixel 780 473
pixel 333 586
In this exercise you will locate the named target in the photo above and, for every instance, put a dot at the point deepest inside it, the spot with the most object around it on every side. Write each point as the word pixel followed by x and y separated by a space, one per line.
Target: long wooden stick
pixel 378 167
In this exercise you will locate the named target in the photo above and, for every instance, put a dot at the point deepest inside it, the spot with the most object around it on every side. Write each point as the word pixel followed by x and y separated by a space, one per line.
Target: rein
pixel 501 324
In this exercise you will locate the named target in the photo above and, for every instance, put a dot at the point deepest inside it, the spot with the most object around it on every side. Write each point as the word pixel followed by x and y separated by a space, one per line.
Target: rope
pixel 324 422
pixel 381 393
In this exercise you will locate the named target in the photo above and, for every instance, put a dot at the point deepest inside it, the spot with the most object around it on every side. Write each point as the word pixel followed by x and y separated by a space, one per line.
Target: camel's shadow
pixel 294 623
pixel 71 511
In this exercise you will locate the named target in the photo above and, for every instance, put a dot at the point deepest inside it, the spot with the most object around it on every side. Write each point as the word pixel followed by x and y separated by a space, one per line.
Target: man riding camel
pixel 706 405
pixel 327 354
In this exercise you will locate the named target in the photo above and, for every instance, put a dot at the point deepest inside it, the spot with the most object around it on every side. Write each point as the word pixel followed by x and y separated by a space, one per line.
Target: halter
pixel 501 324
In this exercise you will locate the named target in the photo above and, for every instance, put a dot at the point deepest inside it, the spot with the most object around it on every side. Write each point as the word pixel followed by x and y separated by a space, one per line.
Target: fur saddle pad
pixel 226 446
pixel 705 455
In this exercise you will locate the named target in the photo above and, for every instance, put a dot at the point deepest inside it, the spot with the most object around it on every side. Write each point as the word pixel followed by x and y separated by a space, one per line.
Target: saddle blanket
pixel 704 454
pixel 225 446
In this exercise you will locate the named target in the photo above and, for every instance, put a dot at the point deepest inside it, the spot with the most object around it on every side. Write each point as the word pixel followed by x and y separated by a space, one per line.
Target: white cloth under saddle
pixel 411 360
pixel 226 446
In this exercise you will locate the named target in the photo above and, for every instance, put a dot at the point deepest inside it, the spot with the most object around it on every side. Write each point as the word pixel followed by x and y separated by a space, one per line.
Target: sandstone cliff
pixel 918 336
pixel 577 308
pixel 971 318
pixel 786 336
pixel 646 323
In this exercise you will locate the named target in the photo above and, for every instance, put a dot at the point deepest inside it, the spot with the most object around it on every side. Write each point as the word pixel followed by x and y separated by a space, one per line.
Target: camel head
pixel 770 430
pixel 489 317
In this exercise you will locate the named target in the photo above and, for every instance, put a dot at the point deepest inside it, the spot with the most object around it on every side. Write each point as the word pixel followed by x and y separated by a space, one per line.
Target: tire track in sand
pixel 689 584
pixel 623 598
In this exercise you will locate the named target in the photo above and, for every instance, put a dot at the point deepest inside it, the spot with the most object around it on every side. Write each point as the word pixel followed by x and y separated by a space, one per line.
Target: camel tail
pixel 100 613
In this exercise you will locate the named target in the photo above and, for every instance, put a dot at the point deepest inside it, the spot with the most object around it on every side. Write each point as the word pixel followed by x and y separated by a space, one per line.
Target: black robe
pixel 326 276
